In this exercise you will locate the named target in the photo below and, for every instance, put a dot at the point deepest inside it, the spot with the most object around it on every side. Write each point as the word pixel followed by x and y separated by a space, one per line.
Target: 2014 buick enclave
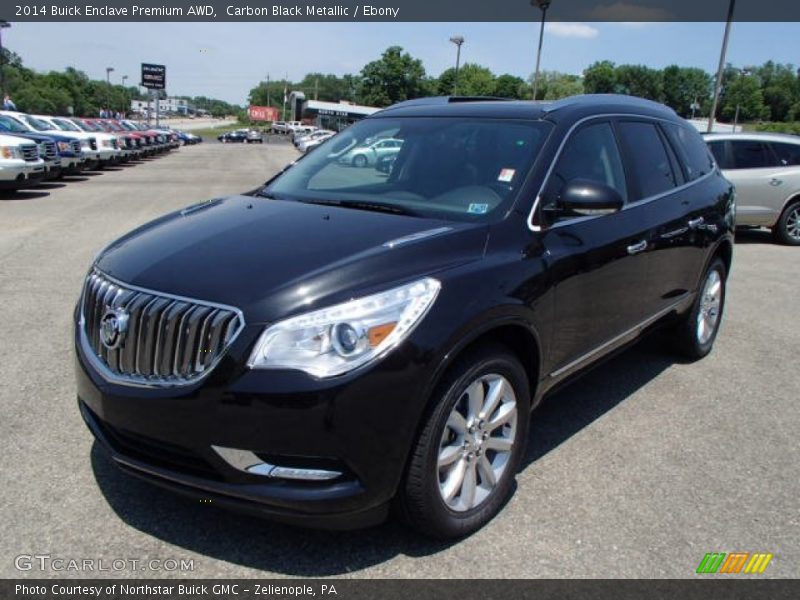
pixel 342 338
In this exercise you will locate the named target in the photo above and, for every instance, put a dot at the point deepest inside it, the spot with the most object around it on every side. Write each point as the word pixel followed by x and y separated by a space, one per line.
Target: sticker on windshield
pixel 506 175
pixel 478 209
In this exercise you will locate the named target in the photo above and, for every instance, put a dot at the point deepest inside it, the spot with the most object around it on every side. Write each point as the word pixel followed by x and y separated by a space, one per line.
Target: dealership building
pixel 327 115
pixel 165 106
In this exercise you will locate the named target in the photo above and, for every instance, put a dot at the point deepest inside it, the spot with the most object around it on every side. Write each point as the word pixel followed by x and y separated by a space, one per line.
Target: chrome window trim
pixel 538 228
pixel 140 381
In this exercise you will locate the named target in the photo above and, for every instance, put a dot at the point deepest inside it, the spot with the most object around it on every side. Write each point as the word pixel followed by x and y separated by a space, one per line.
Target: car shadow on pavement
pixel 264 545
pixel 754 236
pixel 21 195
pixel 576 406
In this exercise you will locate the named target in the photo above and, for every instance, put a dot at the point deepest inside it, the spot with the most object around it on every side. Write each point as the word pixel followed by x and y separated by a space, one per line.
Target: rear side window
pixel 650 165
pixel 751 155
pixel 788 154
pixel 691 149
pixel 592 154
pixel 718 150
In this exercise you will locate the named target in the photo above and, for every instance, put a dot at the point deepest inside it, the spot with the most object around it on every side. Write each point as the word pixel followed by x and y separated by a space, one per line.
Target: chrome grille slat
pixel 169 340
pixel 30 153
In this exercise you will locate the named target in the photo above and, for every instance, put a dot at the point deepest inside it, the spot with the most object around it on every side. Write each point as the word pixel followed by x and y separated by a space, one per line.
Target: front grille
pixel 115 143
pixel 93 143
pixel 47 150
pixel 128 143
pixel 168 340
pixel 76 146
pixel 29 152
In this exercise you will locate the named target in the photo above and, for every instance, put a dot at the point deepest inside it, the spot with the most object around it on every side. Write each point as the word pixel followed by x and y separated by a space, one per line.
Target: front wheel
pixel 787 230
pixel 463 464
pixel 360 161
pixel 696 333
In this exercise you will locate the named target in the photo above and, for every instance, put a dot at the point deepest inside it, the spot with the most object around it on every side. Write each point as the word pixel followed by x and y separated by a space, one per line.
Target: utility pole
pixel 543 5
pixel 721 70
pixel 458 40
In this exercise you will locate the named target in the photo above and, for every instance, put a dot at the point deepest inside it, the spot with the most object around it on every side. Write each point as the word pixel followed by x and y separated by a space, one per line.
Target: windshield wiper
pixel 366 205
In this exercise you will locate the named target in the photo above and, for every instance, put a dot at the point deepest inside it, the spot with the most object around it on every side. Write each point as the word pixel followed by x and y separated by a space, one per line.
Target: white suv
pixel 765 168
pixel 20 165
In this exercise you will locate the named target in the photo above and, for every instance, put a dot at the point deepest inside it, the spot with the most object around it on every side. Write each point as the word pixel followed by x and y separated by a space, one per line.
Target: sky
pixel 225 60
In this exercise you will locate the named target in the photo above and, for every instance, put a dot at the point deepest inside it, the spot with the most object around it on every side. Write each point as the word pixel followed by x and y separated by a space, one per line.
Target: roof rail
pixel 441 100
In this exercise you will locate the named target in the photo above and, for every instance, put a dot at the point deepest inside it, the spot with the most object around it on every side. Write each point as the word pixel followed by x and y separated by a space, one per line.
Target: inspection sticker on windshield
pixel 478 209
pixel 506 175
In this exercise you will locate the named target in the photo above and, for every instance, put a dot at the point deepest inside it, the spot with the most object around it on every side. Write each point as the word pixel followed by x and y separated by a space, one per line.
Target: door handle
pixel 696 223
pixel 775 182
pixel 637 247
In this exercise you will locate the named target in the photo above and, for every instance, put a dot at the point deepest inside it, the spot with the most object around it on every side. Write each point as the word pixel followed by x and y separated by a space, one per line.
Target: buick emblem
pixel 113 326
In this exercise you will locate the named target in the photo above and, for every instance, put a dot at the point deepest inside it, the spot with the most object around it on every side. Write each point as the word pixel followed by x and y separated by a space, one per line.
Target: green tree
pixel 473 80
pixel 600 78
pixel 743 92
pixel 641 81
pixel 554 85
pixel 511 86
pixel 684 86
pixel 394 77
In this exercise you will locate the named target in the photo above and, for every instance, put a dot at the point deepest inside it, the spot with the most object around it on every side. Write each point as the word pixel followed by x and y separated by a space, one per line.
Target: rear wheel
pixel 696 333
pixel 787 230
pixel 463 464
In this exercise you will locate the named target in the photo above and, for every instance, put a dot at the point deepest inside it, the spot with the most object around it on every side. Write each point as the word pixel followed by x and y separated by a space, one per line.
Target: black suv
pixel 342 338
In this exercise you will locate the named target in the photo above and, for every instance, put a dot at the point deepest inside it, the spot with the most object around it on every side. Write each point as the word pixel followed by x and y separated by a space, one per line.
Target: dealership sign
pixel 263 113
pixel 154 77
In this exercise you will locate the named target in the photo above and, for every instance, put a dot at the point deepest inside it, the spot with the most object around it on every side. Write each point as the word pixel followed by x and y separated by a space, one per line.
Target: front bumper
pixel 15 174
pixel 359 425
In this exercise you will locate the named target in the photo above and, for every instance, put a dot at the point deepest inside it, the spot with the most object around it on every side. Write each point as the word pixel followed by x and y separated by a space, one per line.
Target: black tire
pixel 687 336
pixel 419 498
pixel 360 161
pixel 787 229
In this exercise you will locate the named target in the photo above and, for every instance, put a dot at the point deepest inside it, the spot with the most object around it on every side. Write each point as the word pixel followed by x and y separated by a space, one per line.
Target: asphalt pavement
pixel 637 470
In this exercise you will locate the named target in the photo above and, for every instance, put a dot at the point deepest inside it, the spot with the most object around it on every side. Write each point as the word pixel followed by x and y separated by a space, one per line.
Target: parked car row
pixel 308 141
pixel 42 147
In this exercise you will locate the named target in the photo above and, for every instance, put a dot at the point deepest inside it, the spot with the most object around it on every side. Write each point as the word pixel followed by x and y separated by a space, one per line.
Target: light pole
pixel 458 40
pixel 543 5
pixel 124 96
pixel 109 70
pixel 3 25
pixel 720 71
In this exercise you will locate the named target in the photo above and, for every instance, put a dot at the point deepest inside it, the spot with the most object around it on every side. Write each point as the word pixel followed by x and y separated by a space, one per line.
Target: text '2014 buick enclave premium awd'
pixel 347 337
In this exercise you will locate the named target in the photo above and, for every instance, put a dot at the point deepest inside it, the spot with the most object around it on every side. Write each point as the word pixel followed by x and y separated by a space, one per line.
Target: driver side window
pixel 591 153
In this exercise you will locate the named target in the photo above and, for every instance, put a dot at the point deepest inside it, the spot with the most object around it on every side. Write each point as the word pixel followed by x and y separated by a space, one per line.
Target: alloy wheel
pixel 793 223
pixel 710 305
pixel 477 442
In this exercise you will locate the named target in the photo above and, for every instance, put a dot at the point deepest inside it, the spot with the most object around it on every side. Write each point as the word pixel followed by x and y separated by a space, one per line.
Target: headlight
pixel 10 152
pixel 64 147
pixel 335 340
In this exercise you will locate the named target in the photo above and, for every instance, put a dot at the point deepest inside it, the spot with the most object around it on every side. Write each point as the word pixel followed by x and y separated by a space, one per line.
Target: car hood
pixel 272 258
pixel 39 137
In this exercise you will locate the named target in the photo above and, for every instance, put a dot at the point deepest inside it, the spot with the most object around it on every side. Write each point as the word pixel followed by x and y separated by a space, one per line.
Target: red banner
pixel 263 113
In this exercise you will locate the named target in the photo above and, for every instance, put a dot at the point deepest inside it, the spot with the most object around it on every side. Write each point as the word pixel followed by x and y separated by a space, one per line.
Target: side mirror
pixel 590 198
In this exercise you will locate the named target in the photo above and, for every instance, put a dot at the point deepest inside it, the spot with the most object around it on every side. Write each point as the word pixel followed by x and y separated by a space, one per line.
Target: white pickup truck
pixel 20 165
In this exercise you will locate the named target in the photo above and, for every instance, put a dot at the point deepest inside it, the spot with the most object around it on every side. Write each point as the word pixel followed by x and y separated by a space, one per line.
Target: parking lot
pixel 637 470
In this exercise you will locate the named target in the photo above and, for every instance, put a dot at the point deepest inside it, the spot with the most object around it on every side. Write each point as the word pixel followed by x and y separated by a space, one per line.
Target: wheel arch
pixel 514 333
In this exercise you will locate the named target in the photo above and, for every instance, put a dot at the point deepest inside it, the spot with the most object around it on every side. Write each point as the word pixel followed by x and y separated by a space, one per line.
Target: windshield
pixel 65 125
pixel 38 124
pixel 9 124
pixel 448 168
